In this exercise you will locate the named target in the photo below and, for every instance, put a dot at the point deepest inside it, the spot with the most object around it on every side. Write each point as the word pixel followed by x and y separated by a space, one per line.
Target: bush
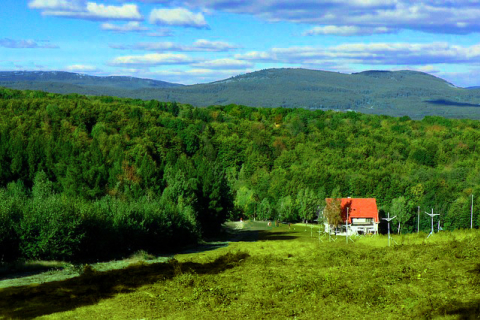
pixel 50 229
pixel 10 214
pixel 54 226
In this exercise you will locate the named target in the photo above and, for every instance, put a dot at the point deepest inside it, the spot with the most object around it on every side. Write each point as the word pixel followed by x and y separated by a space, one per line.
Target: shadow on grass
pixel 280 235
pixel 252 231
pixel 264 235
pixel 91 287
pixel 18 270
pixel 204 247
pixel 467 311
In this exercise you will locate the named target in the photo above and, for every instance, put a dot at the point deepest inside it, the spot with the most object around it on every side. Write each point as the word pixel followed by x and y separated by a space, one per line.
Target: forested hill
pixel 395 93
pixel 69 82
pixel 89 175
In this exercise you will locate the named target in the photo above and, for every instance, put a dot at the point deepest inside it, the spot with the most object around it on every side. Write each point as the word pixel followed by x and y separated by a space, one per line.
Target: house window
pixel 362 220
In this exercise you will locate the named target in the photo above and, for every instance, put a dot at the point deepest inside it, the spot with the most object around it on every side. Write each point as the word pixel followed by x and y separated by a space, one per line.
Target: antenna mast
pixel 471 214
pixel 389 219
pixel 432 215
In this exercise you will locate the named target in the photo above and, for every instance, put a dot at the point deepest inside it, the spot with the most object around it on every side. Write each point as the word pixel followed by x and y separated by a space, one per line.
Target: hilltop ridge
pixel 397 93
pixel 82 79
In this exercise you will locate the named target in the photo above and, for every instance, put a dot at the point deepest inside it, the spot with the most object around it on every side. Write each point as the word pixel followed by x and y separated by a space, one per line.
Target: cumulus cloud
pixel 198 67
pixel 258 56
pixel 452 16
pixel 86 10
pixel 207 45
pixel 132 26
pixel 347 31
pixel 371 54
pixel 69 5
pixel 201 45
pixel 178 17
pixel 152 59
pixel 24 44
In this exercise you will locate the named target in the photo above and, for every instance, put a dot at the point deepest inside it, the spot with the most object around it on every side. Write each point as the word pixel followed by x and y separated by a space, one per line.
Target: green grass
pixel 13 272
pixel 284 274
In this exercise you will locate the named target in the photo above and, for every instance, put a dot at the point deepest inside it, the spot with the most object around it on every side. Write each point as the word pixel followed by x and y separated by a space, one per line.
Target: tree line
pixel 91 176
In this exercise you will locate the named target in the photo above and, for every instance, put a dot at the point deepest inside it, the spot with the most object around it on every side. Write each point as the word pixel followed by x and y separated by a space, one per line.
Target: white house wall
pixel 353 229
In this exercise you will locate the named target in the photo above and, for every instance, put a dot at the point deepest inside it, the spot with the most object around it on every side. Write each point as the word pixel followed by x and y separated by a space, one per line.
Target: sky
pixel 201 41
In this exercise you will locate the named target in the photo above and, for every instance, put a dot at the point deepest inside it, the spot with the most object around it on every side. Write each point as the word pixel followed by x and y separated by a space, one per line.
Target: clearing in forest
pixel 258 271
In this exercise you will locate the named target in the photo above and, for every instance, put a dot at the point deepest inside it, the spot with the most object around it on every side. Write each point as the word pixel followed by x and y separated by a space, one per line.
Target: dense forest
pixel 92 177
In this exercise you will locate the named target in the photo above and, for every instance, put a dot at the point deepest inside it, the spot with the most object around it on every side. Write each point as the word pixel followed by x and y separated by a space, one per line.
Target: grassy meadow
pixel 273 273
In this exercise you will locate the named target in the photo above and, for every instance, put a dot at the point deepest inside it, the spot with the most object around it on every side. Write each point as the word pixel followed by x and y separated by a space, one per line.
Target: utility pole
pixel 438 228
pixel 389 219
pixel 418 220
pixel 471 214
pixel 432 215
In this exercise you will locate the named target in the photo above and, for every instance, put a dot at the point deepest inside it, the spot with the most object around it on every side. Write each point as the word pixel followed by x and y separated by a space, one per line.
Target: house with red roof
pixel 359 214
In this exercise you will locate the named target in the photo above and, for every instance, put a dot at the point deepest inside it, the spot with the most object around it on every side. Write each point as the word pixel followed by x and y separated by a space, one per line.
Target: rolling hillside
pixel 395 93
pixel 68 82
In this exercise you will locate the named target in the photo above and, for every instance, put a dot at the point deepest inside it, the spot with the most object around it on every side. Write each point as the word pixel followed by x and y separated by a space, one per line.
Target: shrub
pixel 10 214
pixel 50 229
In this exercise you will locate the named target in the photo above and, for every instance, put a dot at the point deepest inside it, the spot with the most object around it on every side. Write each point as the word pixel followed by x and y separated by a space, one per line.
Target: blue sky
pixel 206 40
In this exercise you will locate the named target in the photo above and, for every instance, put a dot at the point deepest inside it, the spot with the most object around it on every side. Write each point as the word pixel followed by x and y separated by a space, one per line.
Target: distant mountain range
pixel 83 80
pixel 395 93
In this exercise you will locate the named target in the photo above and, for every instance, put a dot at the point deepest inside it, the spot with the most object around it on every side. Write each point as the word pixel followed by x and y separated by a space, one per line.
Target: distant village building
pixel 362 216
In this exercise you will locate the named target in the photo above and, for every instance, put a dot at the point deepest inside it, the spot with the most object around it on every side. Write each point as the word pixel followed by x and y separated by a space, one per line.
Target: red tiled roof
pixel 358 208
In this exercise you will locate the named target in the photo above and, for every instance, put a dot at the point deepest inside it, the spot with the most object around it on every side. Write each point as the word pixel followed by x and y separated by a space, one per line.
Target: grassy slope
pixel 284 274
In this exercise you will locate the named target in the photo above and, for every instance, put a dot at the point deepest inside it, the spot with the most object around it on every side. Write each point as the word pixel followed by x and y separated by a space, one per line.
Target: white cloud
pixel 70 5
pixel 178 17
pixel 152 59
pixel 224 64
pixel 371 54
pixel 259 56
pixel 347 30
pixel 201 45
pixel 149 46
pixel 213 46
pixel 428 69
pixel 451 16
pixel 24 44
pixel 86 10
pixel 82 68
pixel 132 26
pixel 190 76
